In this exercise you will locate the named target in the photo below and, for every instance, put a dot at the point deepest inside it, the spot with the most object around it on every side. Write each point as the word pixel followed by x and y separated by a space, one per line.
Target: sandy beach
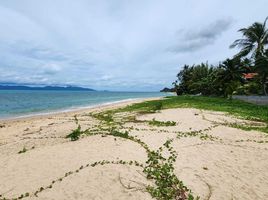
pixel 217 162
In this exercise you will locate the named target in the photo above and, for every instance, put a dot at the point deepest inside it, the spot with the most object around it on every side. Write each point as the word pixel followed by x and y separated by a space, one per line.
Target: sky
pixel 120 45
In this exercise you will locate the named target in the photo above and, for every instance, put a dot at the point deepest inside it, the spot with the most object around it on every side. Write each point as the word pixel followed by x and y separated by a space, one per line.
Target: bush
pixel 250 88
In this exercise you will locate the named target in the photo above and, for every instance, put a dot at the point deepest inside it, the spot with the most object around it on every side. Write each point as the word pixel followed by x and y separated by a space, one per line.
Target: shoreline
pixel 77 110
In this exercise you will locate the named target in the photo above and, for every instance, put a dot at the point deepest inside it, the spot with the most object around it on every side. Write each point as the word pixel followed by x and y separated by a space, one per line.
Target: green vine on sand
pixel 161 170
pixel 155 122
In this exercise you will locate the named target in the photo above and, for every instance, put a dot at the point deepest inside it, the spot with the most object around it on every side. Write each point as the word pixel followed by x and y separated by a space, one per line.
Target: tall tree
pixel 254 43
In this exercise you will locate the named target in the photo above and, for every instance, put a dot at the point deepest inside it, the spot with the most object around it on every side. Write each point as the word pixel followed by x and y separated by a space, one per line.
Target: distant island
pixel 57 88
pixel 168 90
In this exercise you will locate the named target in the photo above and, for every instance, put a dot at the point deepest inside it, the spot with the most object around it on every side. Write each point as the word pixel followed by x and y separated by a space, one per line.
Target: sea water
pixel 17 103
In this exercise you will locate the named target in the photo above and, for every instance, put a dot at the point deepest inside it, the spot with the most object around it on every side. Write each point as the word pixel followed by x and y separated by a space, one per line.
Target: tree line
pixel 244 73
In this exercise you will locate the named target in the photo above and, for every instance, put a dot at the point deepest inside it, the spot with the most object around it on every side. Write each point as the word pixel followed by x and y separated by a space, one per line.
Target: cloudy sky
pixel 136 45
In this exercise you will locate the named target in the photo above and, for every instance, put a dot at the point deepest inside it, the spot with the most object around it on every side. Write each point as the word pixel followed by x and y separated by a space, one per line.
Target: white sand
pixel 231 167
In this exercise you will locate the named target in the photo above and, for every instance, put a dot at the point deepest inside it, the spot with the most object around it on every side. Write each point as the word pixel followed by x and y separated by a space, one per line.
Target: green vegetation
pixel 198 133
pixel 160 123
pixel 75 134
pixel 233 107
pixel 228 77
pixel 236 108
pixel 254 44
pixel 116 133
pixel 157 106
pixel 161 170
pixel 105 117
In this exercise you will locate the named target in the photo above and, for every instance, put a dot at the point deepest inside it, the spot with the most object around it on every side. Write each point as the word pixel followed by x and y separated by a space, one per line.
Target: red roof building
pixel 249 75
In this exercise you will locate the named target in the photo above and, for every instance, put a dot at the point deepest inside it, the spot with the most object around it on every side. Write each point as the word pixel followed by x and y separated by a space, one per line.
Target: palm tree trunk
pixel 264 85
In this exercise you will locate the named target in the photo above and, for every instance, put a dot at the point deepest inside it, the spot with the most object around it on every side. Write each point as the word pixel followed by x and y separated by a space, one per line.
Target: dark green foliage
pixel 230 75
pixel 249 88
pixel 262 69
pixel 208 80
pixel 254 44
pixel 254 40
pixel 75 134
pixel 196 79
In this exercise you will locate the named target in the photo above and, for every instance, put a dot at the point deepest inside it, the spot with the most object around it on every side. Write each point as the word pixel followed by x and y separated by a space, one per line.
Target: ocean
pixel 18 103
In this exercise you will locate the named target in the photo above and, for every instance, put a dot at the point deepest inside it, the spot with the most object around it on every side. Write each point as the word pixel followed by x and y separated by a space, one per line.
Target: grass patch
pixel 233 107
pixel 143 107
pixel 106 116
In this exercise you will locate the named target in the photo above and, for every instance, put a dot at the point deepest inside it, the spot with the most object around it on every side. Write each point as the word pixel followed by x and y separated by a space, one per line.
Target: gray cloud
pixel 35 51
pixel 194 40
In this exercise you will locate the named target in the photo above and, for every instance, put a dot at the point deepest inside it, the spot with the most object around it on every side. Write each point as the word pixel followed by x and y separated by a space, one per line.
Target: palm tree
pixel 254 43
pixel 230 75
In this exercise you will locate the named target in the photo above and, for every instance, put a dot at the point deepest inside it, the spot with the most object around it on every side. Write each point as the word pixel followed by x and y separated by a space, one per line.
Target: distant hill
pixel 57 88
pixel 168 90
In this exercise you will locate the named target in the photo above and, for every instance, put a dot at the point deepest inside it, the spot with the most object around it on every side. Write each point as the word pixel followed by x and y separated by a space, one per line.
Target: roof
pixel 250 75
